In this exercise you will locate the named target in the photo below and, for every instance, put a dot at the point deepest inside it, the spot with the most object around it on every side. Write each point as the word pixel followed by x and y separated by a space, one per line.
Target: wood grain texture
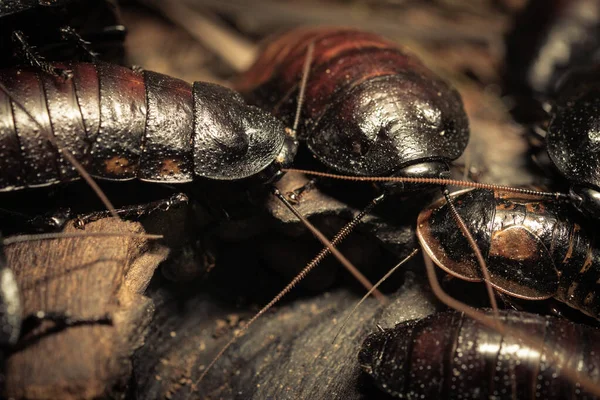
pixel 289 354
pixel 86 278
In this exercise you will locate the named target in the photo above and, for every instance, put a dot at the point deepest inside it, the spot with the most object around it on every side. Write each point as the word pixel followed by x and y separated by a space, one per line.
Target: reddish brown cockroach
pixel 535 249
pixel 448 355
pixel 116 124
pixel 372 108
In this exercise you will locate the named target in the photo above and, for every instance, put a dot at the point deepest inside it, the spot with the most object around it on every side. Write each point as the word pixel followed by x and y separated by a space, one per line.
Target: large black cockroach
pixel 372 109
pixel 534 249
pixel 553 58
pixel 448 355
pixel 122 125
pixel 60 30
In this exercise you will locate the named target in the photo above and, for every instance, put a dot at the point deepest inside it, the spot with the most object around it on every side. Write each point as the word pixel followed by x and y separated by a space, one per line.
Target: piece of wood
pixel 288 354
pixel 86 278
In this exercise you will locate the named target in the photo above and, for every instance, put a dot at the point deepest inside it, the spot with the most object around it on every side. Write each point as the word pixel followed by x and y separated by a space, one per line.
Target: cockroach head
pixel 235 141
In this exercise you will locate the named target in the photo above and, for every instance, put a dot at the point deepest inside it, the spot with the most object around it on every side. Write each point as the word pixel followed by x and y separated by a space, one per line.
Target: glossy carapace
pixel 123 125
pixel 371 108
pixel 553 62
pixel 534 249
pixel 450 356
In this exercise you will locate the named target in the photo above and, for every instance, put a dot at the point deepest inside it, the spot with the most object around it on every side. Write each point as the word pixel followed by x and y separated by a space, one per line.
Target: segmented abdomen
pixel 451 356
pixel 119 124
pixel 577 257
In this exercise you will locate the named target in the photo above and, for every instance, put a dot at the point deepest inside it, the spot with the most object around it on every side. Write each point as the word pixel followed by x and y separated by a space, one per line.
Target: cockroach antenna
pixel 330 246
pixel 383 279
pixel 482 264
pixel 434 181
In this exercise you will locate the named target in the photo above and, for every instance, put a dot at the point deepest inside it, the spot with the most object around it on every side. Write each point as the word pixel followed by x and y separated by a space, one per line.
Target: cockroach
pixel 553 60
pixel 121 125
pixel 60 30
pixel 534 249
pixel 448 355
pixel 372 109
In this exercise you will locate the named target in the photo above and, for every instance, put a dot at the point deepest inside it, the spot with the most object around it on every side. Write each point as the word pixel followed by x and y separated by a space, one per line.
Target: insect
pixel 372 109
pixel 553 60
pixel 60 30
pixel 534 249
pixel 448 355
pixel 118 125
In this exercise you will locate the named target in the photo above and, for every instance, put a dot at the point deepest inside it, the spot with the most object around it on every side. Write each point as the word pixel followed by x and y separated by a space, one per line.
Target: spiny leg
pixel 33 58
pixel 70 35
pixel 135 211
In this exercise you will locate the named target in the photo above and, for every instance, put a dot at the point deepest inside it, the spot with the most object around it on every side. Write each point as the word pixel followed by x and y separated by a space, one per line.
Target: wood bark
pixel 85 278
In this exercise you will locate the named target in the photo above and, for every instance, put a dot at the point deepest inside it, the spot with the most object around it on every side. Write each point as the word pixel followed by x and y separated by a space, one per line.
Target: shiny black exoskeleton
pixel 123 125
pixel 450 356
pixel 553 59
pixel 534 249
pixel 42 24
pixel 372 108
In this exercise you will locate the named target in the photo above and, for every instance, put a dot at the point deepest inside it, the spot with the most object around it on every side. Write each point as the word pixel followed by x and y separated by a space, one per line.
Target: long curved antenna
pixel 482 264
pixel 533 342
pixel 385 277
pixel 66 235
pixel 336 253
pixel 432 181
pixel 76 164
pixel 337 239
pixel 305 71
